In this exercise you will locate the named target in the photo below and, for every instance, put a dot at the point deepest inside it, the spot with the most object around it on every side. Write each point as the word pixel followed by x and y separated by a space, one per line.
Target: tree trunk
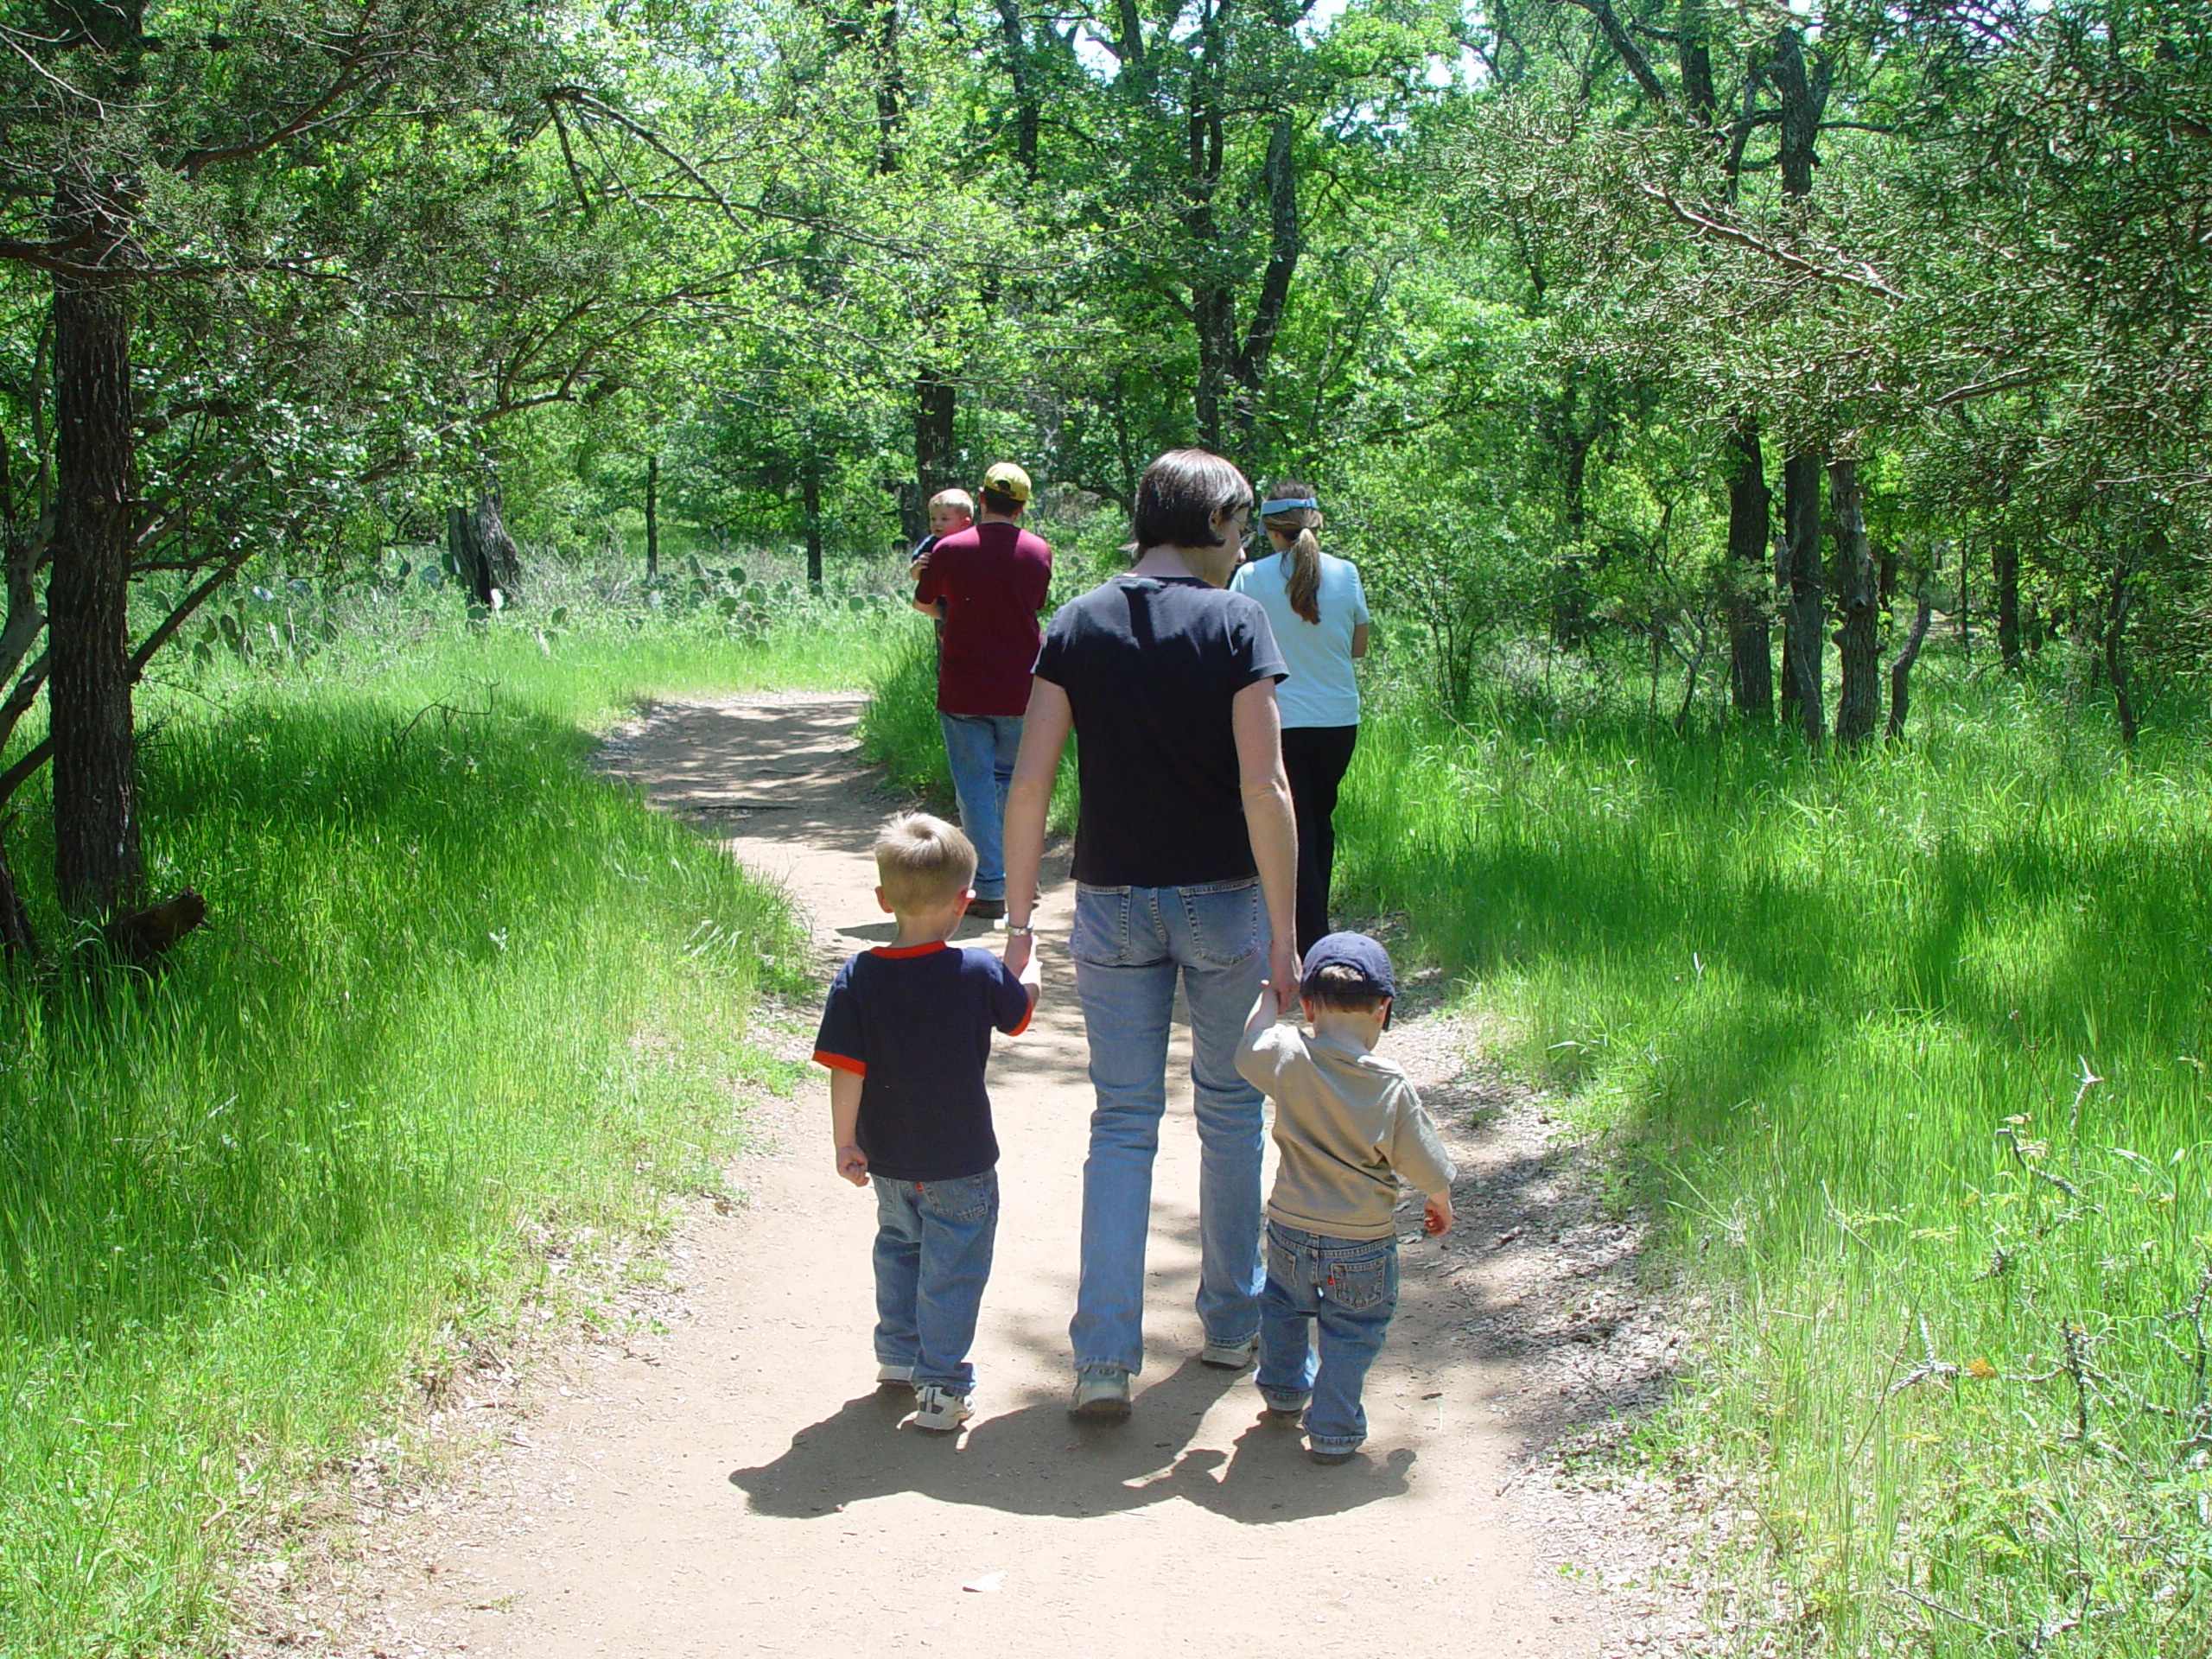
pixel 937 456
pixel 1859 702
pixel 1966 600
pixel 1801 513
pixel 1285 243
pixel 809 488
pixel 2004 559
pixel 17 941
pixel 1802 90
pixel 1751 643
pixel 88 695
pixel 890 89
pixel 1786 690
pixel 652 515
pixel 1213 302
pixel 482 551
pixel 2115 653
pixel 1694 54
pixel 1026 112
pixel 1924 611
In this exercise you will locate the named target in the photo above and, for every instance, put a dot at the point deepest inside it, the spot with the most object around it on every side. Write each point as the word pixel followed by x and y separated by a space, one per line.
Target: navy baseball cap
pixel 1356 952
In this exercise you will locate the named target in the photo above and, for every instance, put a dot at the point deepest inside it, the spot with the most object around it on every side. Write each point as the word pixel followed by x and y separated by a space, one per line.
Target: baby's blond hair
pixel 959 499
pixel 922 860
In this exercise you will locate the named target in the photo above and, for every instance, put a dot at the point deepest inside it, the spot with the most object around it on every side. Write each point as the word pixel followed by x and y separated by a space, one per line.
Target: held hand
pixel 1282 973
pixel 852 1164
pixel 1436 1216
pixel 1020 955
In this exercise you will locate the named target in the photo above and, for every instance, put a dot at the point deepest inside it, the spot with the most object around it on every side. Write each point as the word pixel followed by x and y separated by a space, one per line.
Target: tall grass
pixel 1837 1013
pixel 454 997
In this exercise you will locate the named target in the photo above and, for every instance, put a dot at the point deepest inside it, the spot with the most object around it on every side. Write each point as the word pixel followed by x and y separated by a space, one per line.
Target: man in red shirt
pixel 987 582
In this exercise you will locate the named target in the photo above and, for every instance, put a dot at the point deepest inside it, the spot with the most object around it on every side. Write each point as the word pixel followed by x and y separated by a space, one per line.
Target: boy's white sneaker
pixel 888 1375
pixel 1230 1356
pixel 939 1410
pixel 1101 1396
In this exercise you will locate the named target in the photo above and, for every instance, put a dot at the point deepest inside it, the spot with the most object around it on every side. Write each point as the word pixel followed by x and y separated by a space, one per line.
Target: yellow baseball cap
pixel 1007 480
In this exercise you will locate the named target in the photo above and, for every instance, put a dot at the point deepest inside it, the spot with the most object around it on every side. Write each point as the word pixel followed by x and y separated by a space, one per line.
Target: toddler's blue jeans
pixel 1343 1291
pixel 933 1243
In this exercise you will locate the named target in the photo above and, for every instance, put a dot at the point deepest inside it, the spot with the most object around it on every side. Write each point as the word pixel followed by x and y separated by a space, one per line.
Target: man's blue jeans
pixel 1130 944
pixel 1348 1287
pixel 932 1256
pixel 979 750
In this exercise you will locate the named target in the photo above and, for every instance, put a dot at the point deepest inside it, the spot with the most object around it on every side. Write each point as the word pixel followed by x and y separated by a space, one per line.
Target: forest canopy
pixel 1731 328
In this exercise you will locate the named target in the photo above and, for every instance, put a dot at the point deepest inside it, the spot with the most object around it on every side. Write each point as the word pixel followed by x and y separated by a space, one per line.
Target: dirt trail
pixel 736 1486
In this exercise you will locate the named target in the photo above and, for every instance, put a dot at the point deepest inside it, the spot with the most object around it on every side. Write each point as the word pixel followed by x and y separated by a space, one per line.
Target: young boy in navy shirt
pixel 906 1034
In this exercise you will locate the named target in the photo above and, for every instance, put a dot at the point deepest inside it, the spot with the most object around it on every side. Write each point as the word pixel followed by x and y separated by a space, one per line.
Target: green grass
pixel 1835 1012
pixel 456 1000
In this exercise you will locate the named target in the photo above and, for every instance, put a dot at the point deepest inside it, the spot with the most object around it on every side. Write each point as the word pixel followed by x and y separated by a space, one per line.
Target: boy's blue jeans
pixel 979 749
pixel 1130 946
pixel 933 1243
pixel 1348 1287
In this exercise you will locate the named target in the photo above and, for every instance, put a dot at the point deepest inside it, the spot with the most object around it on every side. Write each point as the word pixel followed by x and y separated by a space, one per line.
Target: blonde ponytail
pixel 1301 579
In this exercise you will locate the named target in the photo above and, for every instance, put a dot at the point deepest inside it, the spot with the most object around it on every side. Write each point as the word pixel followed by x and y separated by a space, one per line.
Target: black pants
pixel 1315 757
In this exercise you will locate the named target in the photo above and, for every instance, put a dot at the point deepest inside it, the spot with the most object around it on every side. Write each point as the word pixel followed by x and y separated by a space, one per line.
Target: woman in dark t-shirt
pixel 1186 866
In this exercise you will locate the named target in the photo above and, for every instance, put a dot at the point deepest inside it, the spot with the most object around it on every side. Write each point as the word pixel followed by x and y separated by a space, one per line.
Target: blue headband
pixel 1268 509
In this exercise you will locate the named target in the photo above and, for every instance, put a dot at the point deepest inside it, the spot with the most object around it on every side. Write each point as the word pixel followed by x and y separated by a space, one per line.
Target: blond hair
pixel 959 499
pixel 1301 560
pixel 922 860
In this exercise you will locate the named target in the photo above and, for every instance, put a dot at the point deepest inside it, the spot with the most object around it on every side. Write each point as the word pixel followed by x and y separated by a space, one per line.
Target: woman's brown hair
pixel 1178 495
pixel 1301 579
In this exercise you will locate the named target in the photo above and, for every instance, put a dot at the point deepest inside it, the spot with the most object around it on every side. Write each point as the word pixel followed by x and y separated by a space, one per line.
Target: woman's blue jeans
pixel 1342 1291
pixel 1130 946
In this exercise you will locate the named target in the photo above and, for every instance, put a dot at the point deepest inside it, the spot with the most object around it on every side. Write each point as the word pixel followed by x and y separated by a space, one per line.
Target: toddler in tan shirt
pixel 1349 1128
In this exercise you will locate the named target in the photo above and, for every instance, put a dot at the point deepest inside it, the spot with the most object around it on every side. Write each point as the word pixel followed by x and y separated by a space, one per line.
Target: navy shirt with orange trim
pixel 915 1024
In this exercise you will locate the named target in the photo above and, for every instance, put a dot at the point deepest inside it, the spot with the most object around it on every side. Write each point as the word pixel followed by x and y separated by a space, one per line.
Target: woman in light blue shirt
pixel 1319 611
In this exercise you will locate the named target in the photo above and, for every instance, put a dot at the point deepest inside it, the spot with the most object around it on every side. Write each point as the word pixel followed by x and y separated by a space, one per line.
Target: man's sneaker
pixel 1281 1416
pixel 940 1410
pixel 888 1375
pixel 1229 1355
pixel 1319 1456
pixel 1101 1396
pixel 987 910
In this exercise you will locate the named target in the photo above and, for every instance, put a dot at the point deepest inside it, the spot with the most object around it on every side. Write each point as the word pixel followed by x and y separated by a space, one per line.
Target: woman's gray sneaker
pixel 1102 1395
